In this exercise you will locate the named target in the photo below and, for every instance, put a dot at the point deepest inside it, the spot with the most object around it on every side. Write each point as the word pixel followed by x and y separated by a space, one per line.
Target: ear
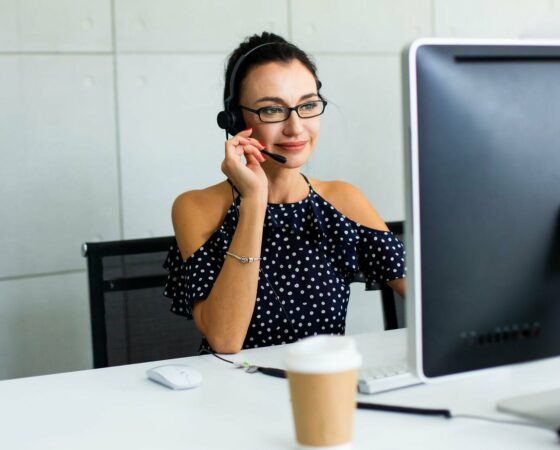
pixel 239 122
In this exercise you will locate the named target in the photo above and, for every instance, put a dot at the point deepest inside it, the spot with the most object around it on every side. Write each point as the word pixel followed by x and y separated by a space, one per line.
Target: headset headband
pixel 238 64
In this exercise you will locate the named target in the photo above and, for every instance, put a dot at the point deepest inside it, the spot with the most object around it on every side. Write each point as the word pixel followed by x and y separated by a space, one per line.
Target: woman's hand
pixel 250 179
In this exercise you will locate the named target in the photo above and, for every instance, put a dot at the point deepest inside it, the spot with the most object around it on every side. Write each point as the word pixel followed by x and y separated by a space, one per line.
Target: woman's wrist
pixel 253 203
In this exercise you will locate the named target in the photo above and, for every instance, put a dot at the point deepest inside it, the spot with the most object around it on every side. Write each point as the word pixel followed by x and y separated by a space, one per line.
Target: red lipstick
pixel 292 145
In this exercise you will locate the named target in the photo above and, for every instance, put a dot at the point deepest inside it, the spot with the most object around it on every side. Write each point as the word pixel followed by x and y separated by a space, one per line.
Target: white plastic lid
pixel 323 354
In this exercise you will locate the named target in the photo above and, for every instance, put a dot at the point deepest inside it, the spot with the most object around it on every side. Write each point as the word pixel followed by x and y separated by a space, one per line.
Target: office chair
pixel 130 317
pixel 393 303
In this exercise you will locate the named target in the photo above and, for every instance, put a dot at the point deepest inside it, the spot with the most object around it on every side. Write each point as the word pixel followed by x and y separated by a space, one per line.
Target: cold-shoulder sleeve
pixel 192 280
pixel 380 255
pixel 359 253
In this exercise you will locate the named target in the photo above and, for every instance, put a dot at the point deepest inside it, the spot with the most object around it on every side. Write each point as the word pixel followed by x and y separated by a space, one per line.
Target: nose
pixel 293 126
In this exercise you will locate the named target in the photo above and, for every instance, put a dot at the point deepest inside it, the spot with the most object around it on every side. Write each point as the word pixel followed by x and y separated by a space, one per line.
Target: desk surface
pixel 119 408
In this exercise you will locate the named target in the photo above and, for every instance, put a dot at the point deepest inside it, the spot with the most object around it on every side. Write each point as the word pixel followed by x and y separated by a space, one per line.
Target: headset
pixel 231 119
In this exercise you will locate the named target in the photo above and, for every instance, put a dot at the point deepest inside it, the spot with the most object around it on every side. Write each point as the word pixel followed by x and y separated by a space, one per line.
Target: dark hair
pixel 282 52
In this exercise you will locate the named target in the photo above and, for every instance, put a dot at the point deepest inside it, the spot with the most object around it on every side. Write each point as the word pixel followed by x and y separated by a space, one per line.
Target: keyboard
pixel 372 380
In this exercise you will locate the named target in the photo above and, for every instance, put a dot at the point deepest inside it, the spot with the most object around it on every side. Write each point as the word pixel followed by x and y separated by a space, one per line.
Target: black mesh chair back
pixel 393 303
pixel 130 317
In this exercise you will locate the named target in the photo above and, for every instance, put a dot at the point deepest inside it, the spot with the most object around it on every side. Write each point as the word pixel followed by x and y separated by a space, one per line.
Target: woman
pixel 266 257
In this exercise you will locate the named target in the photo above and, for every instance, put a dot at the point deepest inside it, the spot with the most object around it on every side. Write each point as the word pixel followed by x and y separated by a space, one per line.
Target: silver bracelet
pixel 243 259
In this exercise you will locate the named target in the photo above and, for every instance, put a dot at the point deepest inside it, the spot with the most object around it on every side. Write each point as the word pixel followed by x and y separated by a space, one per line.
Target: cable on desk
pixel 217 356
pixel 446 413
pixel 278 373
pixel 405 409
pixel 507 422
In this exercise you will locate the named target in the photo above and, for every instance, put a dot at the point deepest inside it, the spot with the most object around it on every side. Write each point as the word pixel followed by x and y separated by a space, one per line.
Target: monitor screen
pixel 485 203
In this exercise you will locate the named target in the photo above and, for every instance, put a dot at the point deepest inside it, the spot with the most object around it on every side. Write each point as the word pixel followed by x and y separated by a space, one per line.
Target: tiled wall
pixel 108 112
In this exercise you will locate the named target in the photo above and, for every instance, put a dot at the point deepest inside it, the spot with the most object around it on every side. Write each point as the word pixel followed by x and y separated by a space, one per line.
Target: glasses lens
pixel 311 109
pixel 273 113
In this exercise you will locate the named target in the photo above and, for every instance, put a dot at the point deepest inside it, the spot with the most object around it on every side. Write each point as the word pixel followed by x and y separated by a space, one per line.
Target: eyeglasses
pixel 274 114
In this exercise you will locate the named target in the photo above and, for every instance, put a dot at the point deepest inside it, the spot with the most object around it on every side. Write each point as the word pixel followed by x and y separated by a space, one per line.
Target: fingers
pixel 237 141
pixel 232 163
pixel 244 137
pixel 252 161
pixel 234 153
pixel 240 137
pixel 241 143
pixel 246 147
pixel 251 150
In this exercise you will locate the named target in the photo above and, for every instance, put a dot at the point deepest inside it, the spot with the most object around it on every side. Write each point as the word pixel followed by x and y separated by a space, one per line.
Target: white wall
pixel 108 112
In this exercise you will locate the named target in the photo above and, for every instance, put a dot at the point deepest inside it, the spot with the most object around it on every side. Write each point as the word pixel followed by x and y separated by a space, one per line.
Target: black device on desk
pixel 484 204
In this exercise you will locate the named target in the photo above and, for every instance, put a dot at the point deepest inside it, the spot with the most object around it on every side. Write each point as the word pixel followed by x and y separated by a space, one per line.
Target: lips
pixel 292 146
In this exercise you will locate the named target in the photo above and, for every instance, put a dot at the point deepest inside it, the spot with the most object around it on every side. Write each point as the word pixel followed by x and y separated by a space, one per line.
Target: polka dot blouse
pixel 310 255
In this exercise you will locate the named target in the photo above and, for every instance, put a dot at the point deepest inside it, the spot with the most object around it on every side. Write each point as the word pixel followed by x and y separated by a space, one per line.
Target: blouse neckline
pixel 281 205
pixel 292 204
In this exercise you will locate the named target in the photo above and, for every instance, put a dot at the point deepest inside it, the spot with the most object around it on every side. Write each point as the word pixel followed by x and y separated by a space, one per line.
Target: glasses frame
pixel 287 108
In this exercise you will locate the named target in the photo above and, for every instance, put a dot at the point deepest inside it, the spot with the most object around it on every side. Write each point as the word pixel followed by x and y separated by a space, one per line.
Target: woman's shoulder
pixel 198 213
pixel 212 197
pixel 349 201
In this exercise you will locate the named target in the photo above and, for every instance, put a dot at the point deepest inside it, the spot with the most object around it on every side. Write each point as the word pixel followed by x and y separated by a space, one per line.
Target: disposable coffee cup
pixel 323 375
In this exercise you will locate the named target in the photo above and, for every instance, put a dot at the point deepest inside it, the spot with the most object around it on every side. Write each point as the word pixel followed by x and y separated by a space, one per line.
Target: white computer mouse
pixel 175 376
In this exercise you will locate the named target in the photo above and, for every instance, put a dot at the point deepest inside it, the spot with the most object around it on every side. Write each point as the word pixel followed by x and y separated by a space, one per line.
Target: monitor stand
pixel 543 407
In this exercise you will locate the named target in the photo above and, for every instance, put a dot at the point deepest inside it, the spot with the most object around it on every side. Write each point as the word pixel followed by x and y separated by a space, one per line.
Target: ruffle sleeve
pixel 381 255
pixel 192 280
pixel 360 252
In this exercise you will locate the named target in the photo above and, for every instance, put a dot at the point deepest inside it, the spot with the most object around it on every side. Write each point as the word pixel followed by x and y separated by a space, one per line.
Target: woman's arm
pixel 399 285
pixel 224 316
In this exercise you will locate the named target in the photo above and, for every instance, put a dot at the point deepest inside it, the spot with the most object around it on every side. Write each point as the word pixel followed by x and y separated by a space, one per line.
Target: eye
pixel 310 106
pixel 272 110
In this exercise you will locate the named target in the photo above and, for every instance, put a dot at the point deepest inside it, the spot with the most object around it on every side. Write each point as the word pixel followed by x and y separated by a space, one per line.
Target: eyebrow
pixel 279 100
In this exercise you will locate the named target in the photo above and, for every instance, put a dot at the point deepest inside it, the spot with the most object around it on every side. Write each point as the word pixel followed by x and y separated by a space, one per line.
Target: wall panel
pixel 170 141
pixel 194 25
pixel 483 19
pixel 362 138
pixel 350 26
pixel 55 25
pixel 44 326
pixel 58 170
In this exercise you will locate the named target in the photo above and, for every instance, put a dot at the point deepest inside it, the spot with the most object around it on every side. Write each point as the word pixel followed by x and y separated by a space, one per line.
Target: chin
pixel 295 161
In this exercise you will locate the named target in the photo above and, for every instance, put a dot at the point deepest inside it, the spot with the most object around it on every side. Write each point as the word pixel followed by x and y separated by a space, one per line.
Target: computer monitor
pixel 483 239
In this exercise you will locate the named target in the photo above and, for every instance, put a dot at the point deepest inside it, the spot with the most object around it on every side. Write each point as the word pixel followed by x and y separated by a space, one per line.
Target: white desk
pixel 119 408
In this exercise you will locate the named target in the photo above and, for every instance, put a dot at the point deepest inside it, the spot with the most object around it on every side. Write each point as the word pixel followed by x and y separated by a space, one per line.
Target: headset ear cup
pixel 231 121
pixel 225 120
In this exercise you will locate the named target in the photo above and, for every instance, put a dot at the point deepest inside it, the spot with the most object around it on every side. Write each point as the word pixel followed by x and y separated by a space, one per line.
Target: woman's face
pixel 282 84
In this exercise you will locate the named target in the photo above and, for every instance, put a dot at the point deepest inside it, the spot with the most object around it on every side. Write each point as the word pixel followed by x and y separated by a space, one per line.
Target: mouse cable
pixel 446 413
pixel 507 422
pixel 251 368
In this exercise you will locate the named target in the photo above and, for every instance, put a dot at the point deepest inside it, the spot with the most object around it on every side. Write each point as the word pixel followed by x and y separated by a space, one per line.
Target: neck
pixel 286 186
